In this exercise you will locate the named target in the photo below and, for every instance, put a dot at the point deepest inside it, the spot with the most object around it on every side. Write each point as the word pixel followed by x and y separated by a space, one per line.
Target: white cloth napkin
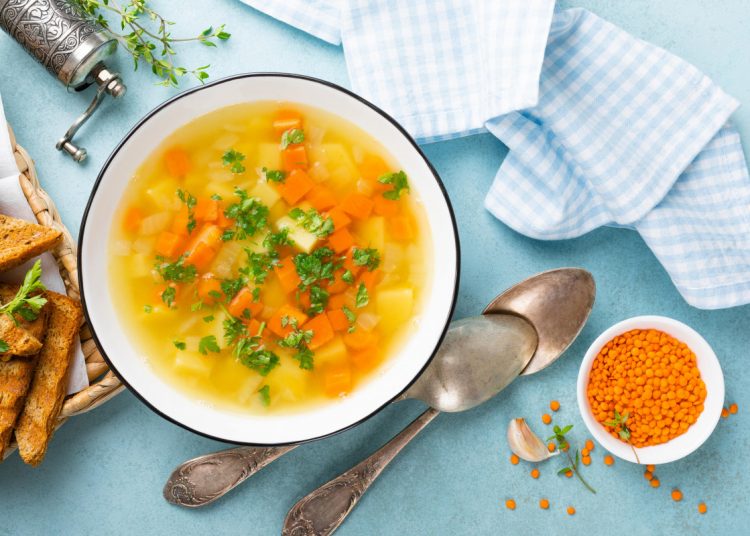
pixel 13 203
pixel 606 130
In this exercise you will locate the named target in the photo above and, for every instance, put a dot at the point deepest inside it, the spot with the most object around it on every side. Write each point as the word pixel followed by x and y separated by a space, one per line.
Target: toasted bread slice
pixel 16 374
pixel 24 338
pixel 21 240
pixel 44 400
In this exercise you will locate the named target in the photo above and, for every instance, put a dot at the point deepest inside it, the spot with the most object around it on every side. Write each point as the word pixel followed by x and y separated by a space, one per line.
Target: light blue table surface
pixel 105 470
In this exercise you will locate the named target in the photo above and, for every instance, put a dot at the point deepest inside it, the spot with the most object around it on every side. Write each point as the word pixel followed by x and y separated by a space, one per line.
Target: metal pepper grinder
pixel 72 49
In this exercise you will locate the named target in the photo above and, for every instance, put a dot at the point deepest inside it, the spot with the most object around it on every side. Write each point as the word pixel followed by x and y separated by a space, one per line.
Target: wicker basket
pixel 103 384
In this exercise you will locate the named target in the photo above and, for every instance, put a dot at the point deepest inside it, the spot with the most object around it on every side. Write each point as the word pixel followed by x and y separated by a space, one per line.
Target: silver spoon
pixel 567 294
pixel 568 291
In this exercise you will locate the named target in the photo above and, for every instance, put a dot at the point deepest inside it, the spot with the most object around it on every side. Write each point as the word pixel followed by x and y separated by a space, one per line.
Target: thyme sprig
pixel 564 446
pixel 619 425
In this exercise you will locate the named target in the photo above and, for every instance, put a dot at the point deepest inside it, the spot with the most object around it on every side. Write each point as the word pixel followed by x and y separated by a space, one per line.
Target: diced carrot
pixel 177 161
pixel 366 358
pixel 321 198
pixel 341 240
pixel 357 205
pixel 288 311
pixel 294 157
pixel 170 245
pixel 337 380
pixel 206 209
pixel 338 319
pixel 372 167
pixel 208 287
pixel 359 339
pixel 209 235
pixel 296 185
pixel 132 219
pixel 222 221
pixel 371 279
pixel 201 257
pixel 286 119
pixel 180 222
pixel 348 263
pixel 322 330
pixel 385 207
pixel 287 274
pixel 303 300
pixel 243 301
pixel 337 301
pixel 337 285
pixel 253 327
pixel 339 217
pixel 401 228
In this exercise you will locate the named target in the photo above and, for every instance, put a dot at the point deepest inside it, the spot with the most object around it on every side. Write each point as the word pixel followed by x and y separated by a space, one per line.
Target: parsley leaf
pixel 366 257
pixel 180 345
pixel 400 184
pixel 265 395
pixel 306 358
pixel 23 303
pixel 273 240
pixel 250 216
pixel 363 298
pixel 176 271
pixel 147 309
pixel 314 266
pixel 208 319
pixel 234 159
pixel 318 300
pixel 291 136
pixel 190 202
pixel 297 338
pixel 259 265
pixel 262 361
pixel 168 296
pixel 312 221
pixel 274 175
pixel 208 344
pixel 230 287
pixel 3 346
pixel 347 277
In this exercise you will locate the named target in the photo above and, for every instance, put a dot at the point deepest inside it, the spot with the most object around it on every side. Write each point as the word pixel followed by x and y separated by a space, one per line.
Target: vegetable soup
pixel 269 256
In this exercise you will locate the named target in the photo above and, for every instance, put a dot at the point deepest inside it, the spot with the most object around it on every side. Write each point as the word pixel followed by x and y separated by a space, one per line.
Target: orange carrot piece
pixel 303 300
pixel 322 198
pixel 201 257
pixel 341 241
pixel 322 330
pixel 348 263
pixel 357 205
pixel 401 228
pixel 294 157
pixel 243 301
pixel 180 222
pixel 366 358
pixel 338 319
pixel 208 287
pixel 274 323
pixel 285 120
pixel 206 209
pixel 222 221
pixel 337 380
pixel 177 161
pixel 339 217
pixel 296 186
pixel 209 235
pixel 132 219
pixel 287 274
pixel 371 279
pixel 170 245
pixel 360 339
pixel 338 285
pixel 372 168
pixel 385 207
pixel 336 301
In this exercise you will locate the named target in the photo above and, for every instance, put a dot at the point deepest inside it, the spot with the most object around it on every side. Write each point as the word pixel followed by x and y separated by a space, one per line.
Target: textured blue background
pixel 105 470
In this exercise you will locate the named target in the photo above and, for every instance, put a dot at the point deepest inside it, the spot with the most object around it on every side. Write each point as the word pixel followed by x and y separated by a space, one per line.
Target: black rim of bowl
pixel 166 103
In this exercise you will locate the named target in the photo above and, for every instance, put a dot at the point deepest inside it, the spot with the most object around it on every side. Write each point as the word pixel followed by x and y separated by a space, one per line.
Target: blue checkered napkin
pixel 441 68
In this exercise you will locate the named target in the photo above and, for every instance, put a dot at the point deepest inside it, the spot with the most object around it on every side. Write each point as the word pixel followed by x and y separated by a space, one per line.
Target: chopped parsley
pixel 23 303
pixel 274 175
pixel 208 319
pixel 259 265
pixel 314 266
pixel 363 298
pixel 180 345
pixel 296 338
pixel 4 347
pixel 216 197
pixel 248 349
pixel 347 277
pixel 306 358
pixel 265 395
pixel 176 271
pixel 197 306
pixel 400 184
pixel 234 159
pixel 318 300
pixel 230 287
pixel 169 295
pixel 312 221
pixel 351 317
pixel 262 361
pixel 208 344
pixel 256 294
pixel 250 216
pixel 190 202
pixel 292 136
pixel 366 257
pixel 147 309
pixel 274 240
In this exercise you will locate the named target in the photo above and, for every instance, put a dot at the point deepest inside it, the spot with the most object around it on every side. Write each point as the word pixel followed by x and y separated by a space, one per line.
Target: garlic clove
pixel 526 444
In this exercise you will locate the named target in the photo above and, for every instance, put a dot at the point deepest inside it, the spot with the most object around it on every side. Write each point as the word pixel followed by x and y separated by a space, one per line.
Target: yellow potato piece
pixel 394 305
pixel 193 363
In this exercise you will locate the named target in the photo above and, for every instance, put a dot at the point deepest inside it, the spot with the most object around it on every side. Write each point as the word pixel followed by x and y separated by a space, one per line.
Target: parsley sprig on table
pixel 399 182
pixel 147 36
pixel 27 302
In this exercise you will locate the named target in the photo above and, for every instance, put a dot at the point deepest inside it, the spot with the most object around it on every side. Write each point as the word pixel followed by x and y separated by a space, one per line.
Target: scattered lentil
pixel 510 504
pixel 514 459
pixel 655 482
pixel 608 460
pixel 535 473
pixel 733 409
pixel 676 495
pixel 546 419
pixel 571 510
pixel 544 504
pixel 554 405
pixel 702 508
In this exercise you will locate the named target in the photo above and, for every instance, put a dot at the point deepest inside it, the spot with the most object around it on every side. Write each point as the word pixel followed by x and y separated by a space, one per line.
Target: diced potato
pixel 303 239
pixel 227 258
pixel 372 232
pixel 331 353
pixel 337 161
pixel 140 265
pixel 269 155
pixel 272 294
pixel 193 363
pixel 192 342
pixel 279 210
pixel 288 381
pixel 144 245
pixel 248 391
pixel 394 305
pixel 155 223
pixel 223 189
pixel 393 257
pixel 266 193
pixel 230 375
pixel 163 195
pixel 225 141
pixel 121 248
pixel 219 173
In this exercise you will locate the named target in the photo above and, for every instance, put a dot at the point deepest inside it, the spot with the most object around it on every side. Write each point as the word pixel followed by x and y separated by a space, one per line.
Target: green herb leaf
pixel 208 344
pixel 265 395
pixel 274 175
pixel 250 216
pixel 366 257
pixel 292 136
pixel 147 309
pixel 180 345
pixel 176 271
pixel 230 287
pixel 234 159
pixel 262 361
pixel 312 221
pixel 274 240
pixel 24 303
pixel 258 265
pixel 318 300
pixel 208 319
pixel 168 296
pixel 400 184
pixel 315 266
pixel 306 358
pixel 4 347
pixel 190 201
pixel 363 298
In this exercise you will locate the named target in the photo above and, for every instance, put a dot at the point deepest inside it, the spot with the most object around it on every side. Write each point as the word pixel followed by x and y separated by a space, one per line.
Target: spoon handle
pixel 204 479
pixel 322 511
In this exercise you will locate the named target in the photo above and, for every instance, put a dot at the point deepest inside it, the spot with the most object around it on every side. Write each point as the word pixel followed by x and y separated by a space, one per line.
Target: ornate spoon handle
pixel 322 511
pixel 204 479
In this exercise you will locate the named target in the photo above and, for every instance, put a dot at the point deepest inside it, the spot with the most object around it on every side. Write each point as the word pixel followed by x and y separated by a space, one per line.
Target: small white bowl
pixel 710 370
